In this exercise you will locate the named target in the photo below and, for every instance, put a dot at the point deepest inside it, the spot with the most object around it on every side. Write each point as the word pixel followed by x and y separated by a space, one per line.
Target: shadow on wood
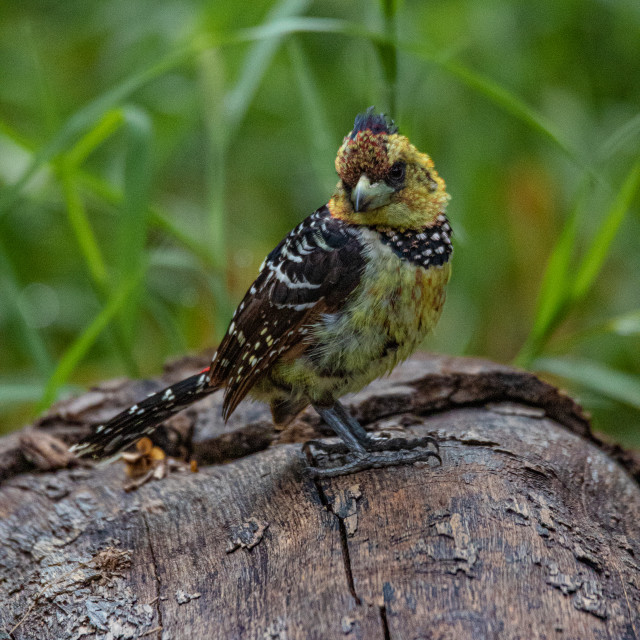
pixel 529 529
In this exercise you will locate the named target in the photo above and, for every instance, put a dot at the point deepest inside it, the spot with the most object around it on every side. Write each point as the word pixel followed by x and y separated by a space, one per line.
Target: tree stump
pixel 529 529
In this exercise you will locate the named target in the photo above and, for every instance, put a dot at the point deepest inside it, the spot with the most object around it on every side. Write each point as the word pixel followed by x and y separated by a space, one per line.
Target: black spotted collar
pixel 427 247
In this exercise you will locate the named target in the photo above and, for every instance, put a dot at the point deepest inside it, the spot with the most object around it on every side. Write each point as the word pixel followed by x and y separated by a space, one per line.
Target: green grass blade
pixel 85 118
pixel 318 132
pixel 625 325
pixel 132 227
pixel 497 94
pixel 299 24
pixel 174 340
pixel 90 251
pixel 555 287
pixel 80 347
pixel 224 304
pixel 46 99
pixel 218 136
pixel 623 387
pixel 510 103
pixel 106 126
pixel 625 135
pixel 103 190
pixel 389 8
pixel 81 227
pixel 100 188
pixel 257 61
pixel 388 53
pixel 17 138
pixel 31 340
pixel 601 243
pixel 162 220
pixel 560 290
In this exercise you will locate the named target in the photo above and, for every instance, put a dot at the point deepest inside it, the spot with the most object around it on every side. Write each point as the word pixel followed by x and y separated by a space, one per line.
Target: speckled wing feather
pixel 311 272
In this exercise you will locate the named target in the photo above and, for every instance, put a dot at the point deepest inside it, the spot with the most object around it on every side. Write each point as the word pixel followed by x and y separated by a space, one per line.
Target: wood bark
pixel 528 530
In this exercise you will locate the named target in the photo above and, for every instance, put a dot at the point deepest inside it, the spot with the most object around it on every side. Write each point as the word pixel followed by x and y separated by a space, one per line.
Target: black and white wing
pixel 311 272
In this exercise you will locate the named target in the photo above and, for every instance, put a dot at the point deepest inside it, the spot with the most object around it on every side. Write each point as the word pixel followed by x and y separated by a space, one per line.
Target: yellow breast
pixel 396 304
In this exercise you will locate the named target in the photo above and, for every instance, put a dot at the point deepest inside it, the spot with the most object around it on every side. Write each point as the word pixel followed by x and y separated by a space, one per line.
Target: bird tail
pixel 143 418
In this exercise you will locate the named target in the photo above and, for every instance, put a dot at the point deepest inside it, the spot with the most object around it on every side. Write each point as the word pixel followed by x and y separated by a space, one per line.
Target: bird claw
pixel 379 453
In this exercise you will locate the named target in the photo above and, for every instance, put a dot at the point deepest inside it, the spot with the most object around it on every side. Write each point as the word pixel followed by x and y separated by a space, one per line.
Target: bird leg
pixel 361 449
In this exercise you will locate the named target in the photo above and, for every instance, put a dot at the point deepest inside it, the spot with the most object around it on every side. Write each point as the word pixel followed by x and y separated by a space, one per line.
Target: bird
pixel 344 297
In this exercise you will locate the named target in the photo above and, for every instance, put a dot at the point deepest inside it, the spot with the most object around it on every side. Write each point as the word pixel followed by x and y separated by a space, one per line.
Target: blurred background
pixel 152 153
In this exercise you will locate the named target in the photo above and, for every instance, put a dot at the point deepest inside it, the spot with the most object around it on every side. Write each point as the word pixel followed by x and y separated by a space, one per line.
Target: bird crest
pixel 374 122
pixel 364 149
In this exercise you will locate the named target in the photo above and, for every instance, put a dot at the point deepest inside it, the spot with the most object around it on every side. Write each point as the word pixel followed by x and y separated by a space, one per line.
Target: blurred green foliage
pixel 151 154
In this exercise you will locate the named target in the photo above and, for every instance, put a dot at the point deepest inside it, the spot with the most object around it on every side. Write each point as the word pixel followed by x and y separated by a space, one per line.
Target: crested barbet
pixel 347 295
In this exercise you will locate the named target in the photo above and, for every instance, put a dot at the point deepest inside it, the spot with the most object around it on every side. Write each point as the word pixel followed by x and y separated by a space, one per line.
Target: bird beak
pixel 366 196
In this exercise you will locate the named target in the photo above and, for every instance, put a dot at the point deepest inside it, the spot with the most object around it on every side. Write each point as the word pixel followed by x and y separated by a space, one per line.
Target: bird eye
pixel 396 174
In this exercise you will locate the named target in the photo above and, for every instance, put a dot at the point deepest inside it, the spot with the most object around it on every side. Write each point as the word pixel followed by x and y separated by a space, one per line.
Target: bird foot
pixel 380 452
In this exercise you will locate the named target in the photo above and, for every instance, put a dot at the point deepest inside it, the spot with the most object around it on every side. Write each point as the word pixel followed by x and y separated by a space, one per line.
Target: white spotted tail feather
pixel 143 418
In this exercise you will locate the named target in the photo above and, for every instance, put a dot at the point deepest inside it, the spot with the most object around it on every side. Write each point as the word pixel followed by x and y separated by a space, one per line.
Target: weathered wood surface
pixel 529 529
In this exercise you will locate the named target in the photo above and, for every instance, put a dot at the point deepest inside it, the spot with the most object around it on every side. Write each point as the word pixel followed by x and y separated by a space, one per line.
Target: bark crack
pixel 346 558
pixel 384 622
pixel 156 576
pixel 344 543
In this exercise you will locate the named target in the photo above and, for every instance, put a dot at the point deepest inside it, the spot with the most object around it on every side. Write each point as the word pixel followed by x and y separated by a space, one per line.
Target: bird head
pixel 384 180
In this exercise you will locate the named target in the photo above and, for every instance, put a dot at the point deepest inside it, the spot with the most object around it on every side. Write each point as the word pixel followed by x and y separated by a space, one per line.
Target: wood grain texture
pixel 529 529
